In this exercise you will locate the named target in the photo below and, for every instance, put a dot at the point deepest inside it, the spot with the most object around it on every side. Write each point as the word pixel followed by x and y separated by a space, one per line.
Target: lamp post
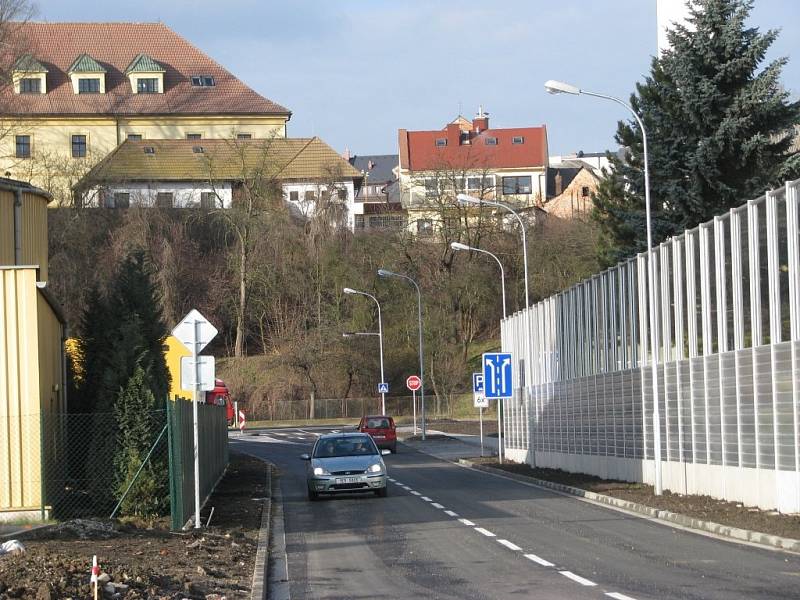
pixel 559 87
pixel 465 199
pixel 385 273
pixel 380 337
pixel 460 246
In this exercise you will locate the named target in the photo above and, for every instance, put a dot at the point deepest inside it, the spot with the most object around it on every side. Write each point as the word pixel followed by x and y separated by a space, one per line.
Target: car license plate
pixel 347 480
pixel 379 437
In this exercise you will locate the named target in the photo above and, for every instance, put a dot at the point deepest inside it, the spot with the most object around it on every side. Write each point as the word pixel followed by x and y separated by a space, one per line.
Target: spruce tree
pixel 719 129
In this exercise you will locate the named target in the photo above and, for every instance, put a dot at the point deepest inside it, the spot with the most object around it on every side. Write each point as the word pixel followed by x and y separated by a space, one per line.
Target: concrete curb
pixel 734 533
pixel 259 588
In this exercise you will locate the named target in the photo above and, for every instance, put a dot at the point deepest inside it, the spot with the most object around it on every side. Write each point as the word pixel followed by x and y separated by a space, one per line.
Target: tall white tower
pixel 669 12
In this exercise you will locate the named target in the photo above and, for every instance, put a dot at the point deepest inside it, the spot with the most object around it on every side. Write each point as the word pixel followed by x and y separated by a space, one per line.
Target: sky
pixel 355 71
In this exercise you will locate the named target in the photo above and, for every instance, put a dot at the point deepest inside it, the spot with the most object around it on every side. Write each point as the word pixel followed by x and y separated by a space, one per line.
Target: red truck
pixel 221 396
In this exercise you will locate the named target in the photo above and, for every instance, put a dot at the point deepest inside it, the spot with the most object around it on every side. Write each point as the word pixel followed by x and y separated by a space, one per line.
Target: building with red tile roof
pixel 503 164
pixel 80 89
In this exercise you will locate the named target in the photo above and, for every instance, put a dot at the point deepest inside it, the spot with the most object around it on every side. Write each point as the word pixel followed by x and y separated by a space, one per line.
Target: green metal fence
pixel 213 442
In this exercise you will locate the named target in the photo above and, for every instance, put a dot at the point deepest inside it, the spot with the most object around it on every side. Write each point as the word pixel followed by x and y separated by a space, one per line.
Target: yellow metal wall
pixel 34 231
pixel 176 350
pixel 20 390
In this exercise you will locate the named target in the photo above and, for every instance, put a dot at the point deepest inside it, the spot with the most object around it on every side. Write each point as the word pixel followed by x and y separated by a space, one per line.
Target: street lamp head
pixel 349 291
pixel 559 87
pixel 459 246
pixel 384 273
pixel 465 199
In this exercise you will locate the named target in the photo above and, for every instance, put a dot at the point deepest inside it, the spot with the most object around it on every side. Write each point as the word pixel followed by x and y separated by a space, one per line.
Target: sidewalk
pixel 447 446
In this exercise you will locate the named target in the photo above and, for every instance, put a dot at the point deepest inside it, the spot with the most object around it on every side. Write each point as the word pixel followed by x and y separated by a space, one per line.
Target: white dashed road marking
pixel 437 505
pixel 485 532
pixel 577 578
pixel 618 596
pixel 416 493
pixel 450 513
pixel 539 560
pixel 510 545
pixel 466 522
pixel 426 499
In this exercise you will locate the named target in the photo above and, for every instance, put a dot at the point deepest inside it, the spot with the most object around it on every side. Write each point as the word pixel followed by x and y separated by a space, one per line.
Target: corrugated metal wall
pixel 33 229
pixel 728 329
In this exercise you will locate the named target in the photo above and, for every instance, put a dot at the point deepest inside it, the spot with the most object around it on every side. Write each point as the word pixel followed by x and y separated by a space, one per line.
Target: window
pixel 23 146
pixel 120 200
pixel 359 221
pixel 585 191
pixel 441 142
pixel 424 227
pixel 310 196
pixel 89 85
pixel 149 150
pixel 164 199
pixel 431 187
pixel 480 183
pixel 29 85
pixel 78 146
pixel 244 136
pixel 342 194
pixel 207 200
pixel 517 185
pixel 517 139
pixel 198 149
pixel 294 196
pixel 194 136
pixel 464 138
pixel 147 85
pixel 491 141
pixel 135 137
pixel 202 81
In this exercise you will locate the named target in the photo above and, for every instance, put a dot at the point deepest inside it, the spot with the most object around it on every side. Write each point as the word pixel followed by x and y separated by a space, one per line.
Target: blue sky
pixel 354 71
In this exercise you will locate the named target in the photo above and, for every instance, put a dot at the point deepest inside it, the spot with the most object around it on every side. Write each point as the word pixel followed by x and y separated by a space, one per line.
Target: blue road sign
pixel 383 388
pixel 477 383
pixel 497 374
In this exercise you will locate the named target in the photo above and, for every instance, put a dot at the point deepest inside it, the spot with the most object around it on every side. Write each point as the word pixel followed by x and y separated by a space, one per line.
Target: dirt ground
pixel 145 561
pixel 700 507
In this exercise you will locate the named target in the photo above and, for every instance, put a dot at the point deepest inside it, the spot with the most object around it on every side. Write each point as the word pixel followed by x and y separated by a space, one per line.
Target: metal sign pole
pixel 195 326
pixel 480 417
pixel 414 404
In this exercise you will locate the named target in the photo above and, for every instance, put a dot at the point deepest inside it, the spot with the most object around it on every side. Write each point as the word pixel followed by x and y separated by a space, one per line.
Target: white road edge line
pixel 437 505
pixel 539 560
pixel 466 522
pixel 510 545
pixel 618 596
pixel 485 532
pixel 426 499
pixel 451 513
pixel 577 578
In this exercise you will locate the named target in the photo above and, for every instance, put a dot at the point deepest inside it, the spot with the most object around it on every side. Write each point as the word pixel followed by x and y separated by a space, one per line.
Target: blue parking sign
pixel 477 383
pixel 497 381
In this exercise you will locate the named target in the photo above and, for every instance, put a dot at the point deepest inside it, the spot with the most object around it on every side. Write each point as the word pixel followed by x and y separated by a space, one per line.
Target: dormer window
pixel 517 139
pixel 203 81
pixel 29 75
pixel 145 75
pixel 89 85
pixel 491 141
pixel 441 142
pixel 149 150
pixel 88 76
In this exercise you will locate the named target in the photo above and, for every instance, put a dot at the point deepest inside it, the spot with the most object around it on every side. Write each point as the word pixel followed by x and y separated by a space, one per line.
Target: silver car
pixel 345 463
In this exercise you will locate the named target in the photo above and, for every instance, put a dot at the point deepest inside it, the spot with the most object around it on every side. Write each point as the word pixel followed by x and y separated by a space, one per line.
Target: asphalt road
pixel 446 531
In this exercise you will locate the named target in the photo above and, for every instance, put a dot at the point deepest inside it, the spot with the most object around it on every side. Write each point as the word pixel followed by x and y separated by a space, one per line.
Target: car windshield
pixel 378 423
pixel 349 446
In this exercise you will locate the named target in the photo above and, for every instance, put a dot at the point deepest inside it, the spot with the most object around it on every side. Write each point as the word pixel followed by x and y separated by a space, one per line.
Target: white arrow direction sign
pixel 194 324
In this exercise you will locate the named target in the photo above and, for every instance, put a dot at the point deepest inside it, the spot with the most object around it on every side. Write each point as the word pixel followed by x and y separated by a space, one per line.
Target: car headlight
pixel 320 471
pixel 376 468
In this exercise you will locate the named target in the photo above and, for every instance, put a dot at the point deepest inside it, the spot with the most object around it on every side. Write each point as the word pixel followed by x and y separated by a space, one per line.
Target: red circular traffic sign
pixel 413 383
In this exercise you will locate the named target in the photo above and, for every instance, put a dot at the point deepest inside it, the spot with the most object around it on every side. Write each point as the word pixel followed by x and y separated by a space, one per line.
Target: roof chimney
pixel 559 183
pixel 453 134
pixel 346 154
pixel 481 120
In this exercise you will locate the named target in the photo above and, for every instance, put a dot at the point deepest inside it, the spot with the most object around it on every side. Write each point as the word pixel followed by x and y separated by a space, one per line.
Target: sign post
pixel 194 331
pixel 413 383
pixel 479 400
pixel 497 384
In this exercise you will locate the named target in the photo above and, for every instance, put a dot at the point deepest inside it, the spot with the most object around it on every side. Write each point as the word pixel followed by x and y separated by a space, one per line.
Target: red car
pixel 382 430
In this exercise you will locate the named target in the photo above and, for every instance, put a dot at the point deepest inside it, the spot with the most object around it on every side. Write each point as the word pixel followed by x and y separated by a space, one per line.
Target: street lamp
pixel 380 337
pixel 460 246
pixel 385 273
pixel 465 199
pixel 559 87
